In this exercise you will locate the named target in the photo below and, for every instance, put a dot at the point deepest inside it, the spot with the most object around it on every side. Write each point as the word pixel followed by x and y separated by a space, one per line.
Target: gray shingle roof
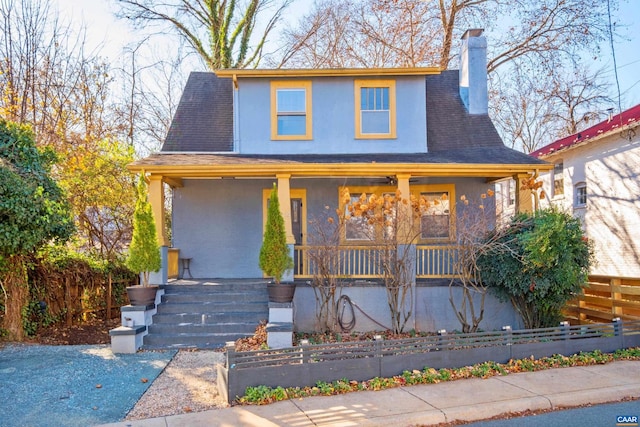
pixel 204 123
pixel 484 155
pixel 462 137
pixel 204 118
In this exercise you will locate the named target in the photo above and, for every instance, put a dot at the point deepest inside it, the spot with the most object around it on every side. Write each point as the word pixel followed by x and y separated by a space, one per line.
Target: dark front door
pixel 296 229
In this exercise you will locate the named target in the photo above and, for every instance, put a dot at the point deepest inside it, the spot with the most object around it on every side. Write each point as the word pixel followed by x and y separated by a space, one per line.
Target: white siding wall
pixel 611 169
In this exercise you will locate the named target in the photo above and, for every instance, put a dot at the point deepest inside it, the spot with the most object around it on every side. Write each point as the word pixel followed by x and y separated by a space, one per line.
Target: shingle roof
pixel 204 118
pixel 482 155
pixel 630 117
pixel 204 123
pixel 455 134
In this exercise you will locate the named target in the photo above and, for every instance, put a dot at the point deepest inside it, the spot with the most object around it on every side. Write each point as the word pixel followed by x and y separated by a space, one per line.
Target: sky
pixel 103 27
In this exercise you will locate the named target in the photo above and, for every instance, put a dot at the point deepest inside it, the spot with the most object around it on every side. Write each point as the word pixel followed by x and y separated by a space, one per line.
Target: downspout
pixel 236 115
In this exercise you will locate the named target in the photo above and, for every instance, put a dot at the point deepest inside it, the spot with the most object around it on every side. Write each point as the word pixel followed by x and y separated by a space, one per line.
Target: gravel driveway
pixel 73 385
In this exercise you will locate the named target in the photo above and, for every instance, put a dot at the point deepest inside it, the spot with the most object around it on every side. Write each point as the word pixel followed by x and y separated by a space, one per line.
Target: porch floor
pixel 215 282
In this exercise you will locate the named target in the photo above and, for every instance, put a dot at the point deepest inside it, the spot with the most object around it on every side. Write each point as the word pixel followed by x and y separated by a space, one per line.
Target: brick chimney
pixel 473 72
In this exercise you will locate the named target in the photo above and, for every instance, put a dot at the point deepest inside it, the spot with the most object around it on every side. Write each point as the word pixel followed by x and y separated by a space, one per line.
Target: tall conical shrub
pixel 144 251
pixel 274 253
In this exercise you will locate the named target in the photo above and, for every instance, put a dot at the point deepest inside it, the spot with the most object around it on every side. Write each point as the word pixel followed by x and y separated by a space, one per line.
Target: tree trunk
pixel 15 283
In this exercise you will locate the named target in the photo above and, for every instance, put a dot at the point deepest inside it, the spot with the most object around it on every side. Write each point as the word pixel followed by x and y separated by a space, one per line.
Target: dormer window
pixel 375 105
pixel 291 110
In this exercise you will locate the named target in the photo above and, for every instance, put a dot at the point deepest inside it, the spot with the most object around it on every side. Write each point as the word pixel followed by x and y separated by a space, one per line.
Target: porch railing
pixel 435 261
pixel 362 262
pixel 344 261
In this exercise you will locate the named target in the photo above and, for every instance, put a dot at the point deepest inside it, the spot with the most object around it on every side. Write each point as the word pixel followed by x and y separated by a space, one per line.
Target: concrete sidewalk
pixel 471 399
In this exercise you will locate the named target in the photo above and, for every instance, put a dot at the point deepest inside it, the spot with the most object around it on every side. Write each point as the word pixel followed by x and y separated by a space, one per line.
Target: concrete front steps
pixel 207 315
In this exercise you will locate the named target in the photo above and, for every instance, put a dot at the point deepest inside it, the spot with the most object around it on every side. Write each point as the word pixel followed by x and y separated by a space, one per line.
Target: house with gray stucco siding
pixel 314 132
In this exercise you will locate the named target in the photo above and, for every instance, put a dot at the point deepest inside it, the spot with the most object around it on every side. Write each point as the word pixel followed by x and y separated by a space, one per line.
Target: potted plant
pixel 274 253
pixel 144 251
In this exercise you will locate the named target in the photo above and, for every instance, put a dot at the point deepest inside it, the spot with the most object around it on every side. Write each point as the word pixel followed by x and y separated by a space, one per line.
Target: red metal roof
pixel 617 122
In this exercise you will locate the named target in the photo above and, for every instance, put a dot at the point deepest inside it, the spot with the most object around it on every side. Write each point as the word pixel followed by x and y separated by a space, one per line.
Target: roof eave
pixel 340 169
pixel 326 72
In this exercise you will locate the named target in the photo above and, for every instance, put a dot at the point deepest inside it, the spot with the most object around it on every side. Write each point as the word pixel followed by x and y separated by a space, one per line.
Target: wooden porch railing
pixel 362 262
pixel 604 299
pixel 345 261
pixel 435 261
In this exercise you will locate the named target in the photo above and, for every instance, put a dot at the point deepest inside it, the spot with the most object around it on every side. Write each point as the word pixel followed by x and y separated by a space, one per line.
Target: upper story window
pixel 558 179
pixel 291 110
pixel 581 195
pixel 375 105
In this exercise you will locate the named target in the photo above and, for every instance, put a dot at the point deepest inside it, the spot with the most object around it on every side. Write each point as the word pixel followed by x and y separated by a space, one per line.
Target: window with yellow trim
pixel 435 221
pixel 437 211
pixel 433 218
pixel 375 108
pixel 291 110
pixel 364 226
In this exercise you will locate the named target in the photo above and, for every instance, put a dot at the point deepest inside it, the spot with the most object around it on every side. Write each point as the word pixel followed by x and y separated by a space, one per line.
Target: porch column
pixel 406 228
pixel 406 235
pixel 524 198
pixel 284 195
pixel 156 198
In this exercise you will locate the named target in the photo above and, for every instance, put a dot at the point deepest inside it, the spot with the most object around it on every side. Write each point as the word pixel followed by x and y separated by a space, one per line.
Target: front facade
pixel 421 131
pixel 596 176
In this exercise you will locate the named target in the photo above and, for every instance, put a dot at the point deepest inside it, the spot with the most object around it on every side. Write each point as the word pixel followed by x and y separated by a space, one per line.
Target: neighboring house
pixel 313 131
pixel 596 176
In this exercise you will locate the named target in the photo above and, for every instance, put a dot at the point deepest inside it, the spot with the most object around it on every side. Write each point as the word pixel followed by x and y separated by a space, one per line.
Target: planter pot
pixel 282 292
pixel 142 295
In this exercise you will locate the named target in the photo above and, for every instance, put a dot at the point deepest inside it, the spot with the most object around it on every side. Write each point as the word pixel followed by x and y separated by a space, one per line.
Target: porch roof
pixel 490 162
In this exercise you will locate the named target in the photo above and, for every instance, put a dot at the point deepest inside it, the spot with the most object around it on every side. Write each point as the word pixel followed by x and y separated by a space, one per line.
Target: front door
pixel 298 223
pixel 296 229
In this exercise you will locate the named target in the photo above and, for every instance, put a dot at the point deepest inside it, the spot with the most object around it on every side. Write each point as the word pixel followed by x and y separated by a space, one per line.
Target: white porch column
pixel 284 196
pixel 156 198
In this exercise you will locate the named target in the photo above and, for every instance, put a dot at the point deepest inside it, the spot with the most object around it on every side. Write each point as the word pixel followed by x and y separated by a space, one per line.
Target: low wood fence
pixel 102 294
pixel 306 365
pixel 604 299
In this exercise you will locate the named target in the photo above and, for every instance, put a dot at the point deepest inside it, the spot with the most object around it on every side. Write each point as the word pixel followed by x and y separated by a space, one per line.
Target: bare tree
pixel 323 260
pixel 580 97
pixel 415 32
pixel 522 112
pixel 49 80
pixel 219 31
pixel 339 34
pixel 535 106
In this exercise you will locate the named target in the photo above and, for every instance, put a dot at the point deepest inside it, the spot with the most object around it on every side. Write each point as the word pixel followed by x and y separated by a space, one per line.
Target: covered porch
pixel 300 177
